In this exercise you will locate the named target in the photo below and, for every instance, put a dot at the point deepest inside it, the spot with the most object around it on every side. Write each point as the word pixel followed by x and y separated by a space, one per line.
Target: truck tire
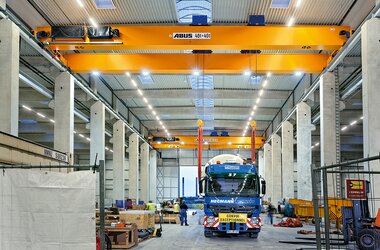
pixel 368 239
pixel 208 234
pixel 253 235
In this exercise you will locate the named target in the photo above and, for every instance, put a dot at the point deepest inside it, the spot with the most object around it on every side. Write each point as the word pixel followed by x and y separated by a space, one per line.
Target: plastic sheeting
pixel 47 210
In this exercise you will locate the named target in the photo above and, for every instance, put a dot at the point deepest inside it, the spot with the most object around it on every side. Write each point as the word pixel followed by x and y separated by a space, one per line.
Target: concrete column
pixel 304 151
pixel 328 145
pixel 276 169
pixel 97 136
pixel 153 176
pixel 118 160
pixel 268 170
pixel 64 114
pixel 144 172
pixel 261 162
pixel 371 100
pixel 287 156
pixel 9 81
pixel 133 185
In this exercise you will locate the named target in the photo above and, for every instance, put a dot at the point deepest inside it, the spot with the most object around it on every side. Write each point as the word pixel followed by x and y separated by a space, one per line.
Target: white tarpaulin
pixel 47 210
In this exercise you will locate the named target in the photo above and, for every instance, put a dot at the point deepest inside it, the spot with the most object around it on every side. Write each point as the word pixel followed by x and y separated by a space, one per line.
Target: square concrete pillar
pixel 371 100
pixel 97 136
pixel 304 151
pixel 268 170
pixel 64 114
pixel 327 95
pixel 9 76
pixel 144 172
pixel 133 185
pixel 153 176
pixel 118 160
pixel 276 169
pixel 287 157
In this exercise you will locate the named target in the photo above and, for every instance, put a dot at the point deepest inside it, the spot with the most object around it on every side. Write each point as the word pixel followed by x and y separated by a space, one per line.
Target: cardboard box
pixel 138 207
pixel 142 218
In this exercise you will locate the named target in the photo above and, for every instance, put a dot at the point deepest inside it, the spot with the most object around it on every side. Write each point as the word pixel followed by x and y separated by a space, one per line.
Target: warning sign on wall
pixel 356 189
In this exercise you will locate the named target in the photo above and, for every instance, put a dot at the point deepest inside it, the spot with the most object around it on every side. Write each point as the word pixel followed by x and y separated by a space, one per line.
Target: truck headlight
pixel 255 220
pixel 210 220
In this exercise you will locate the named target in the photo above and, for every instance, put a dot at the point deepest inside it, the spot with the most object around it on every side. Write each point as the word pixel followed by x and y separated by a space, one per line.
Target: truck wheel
pixel 254 235
pixel 368 239
pixel 208 234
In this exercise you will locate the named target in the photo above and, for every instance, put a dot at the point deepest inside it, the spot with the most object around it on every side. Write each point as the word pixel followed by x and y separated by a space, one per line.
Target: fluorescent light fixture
pixel 41 115
pixel 312 147
pixel 183 143
pixel 247 123
pixel 291 21
pixel 140 92
pixel 196 73
pixel 145 100
pixel 163 127
pixel 157 118
pixel 95 73
pixel 80 3
pixel 344 128
pixel 81 135
pixel 111 150
pixel 247 73
pixel 265 83
pixel 257 100
pixel 252 113
pixel 134 83
pixel 26 107
pixel 166 131
pixel 88 139
pixel 298 4
pixel 150 107
pixel 128 74
pixel 75 132
pixel 107 148
pixel 160 122
pixel 145 73
pixel 242 136
pixel 93 23
pixel 52 121
pixel 298 73
pixel 154 112
pixel 269 74
pixel 361 118
pixel 158 142
pixel 353 123
pixel 229 143
pixel 261 92
pixel 317 144
pixel 255 107
pixel 168 134
pixel 206 142
pixel 250 118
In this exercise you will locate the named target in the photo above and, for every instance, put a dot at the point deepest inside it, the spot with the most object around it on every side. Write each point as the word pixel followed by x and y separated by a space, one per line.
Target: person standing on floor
pixel 183 213
pixel 271 210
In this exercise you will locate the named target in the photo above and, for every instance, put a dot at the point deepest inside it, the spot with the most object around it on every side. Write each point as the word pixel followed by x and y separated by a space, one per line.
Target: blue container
pixel 120 203
pixel 141 202
pixel 256 20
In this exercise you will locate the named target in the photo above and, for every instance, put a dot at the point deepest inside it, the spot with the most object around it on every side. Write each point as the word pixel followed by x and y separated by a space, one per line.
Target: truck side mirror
pixel 263 186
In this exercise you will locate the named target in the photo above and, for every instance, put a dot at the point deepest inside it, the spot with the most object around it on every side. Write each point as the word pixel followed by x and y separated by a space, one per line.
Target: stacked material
pixel 144 219
pixel 289 222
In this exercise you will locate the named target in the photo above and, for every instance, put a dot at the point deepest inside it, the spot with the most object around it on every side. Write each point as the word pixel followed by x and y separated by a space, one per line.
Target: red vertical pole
pixel 200 146
pixel 253 142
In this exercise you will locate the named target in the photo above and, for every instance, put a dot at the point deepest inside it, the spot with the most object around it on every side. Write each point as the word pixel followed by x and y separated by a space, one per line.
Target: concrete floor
pixel 181 237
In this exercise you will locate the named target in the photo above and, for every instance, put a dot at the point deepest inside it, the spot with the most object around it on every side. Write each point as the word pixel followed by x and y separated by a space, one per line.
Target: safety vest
pixel 151 206
pixel 176 208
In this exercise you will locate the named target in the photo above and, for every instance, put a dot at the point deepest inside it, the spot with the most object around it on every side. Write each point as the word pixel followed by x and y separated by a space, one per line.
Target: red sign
pixel 356 189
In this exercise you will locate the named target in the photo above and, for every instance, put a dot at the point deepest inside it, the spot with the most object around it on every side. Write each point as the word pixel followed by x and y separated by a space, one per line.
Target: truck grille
pixel 216 209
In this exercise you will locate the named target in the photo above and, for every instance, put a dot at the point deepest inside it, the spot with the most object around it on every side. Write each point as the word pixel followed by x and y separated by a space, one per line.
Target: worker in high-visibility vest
pixel 176 208
pixel 151 206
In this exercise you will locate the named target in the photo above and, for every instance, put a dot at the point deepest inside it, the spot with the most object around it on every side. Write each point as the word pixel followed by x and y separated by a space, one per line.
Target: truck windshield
pixel 232 186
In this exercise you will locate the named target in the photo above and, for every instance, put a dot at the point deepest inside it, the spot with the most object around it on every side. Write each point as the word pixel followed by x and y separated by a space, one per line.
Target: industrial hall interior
pixel 189 124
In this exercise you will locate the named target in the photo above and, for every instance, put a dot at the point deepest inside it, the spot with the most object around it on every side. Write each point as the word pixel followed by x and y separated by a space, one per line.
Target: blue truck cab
pixel 232 199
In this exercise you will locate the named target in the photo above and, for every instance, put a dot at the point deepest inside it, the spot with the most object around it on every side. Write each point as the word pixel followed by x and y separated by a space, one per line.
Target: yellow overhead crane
pixel 209 142
pixel 212 38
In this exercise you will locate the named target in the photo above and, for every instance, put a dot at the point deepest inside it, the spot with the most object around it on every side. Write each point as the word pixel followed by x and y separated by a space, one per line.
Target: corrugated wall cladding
pixel 312 12
pixel 126 11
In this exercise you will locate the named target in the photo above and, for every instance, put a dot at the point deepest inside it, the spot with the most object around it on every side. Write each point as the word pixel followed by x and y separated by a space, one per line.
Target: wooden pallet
pixel 123 238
